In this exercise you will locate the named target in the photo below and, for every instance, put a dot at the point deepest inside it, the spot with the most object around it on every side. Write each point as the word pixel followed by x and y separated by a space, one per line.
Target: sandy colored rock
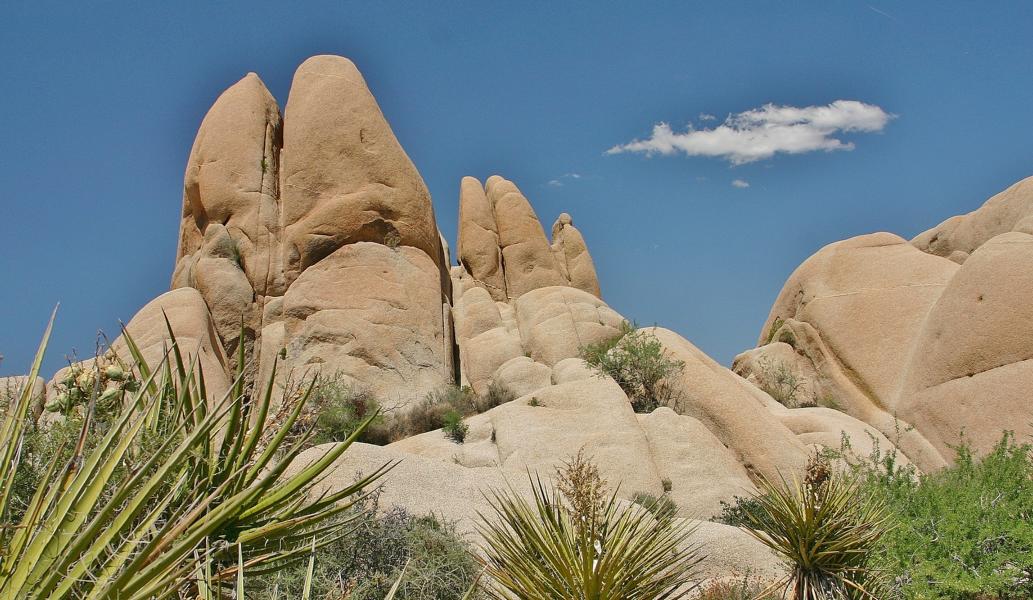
pixel 1010 210
pixel 867 298
pixel 731 554
pixel 478 246
pixel 826 428
pixel 733 410
pixel 973 364
pixel 344 177
pixel 231 179
pixel 825 382
pixel 529 261
pixel 702 471
pixel 522 376
pixel 194 331
pixel 556 322
pixel 572 253
pixel 372 315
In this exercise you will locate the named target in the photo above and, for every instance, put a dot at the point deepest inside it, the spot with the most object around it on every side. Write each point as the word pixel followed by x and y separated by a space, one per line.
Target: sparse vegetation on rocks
pixel 573 542
pixel 637 361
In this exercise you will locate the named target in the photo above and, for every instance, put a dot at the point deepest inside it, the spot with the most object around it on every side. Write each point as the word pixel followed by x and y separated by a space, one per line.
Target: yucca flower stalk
pixel 545 550
pixel 826 529
pixel 215 492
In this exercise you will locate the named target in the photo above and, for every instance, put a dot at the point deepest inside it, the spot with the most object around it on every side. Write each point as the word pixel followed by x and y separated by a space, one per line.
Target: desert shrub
pixel 339 408
pixel 455 428
pixel 565 547
pixel 965 532
pixel 827 529
pixel 743 511
pixel 775 326
pixel 176 488
pixel 496 395
pixel 745 588
pixel 365 564
pixel 783 384
pixel 637 361
pixel 446 407
pixel 661 506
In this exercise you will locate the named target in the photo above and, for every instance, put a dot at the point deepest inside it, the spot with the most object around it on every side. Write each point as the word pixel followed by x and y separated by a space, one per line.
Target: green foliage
pixel 446 407
pixel 423 556
pixel 746 588
pixel 455 428
pixel 775 326
pixel 783 384
pixel 636 360
pixel 827 529
pixel 962 533
pixel 338 409
pixel 172 494
pixel 661 506
pixel 744 512
pixel 548 549
pixel 497 395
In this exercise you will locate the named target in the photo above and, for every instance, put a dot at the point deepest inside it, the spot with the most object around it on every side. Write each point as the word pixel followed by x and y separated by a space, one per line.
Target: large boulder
pixel 734 411
pixel 195 336
pixel 478 244
pixel 867 298
pixel 958 237
pixel 344 176
pixel 373 316
pixel 972 370
pixel 229 235
pixel 266 203
pixel 573 257
pixel 557 322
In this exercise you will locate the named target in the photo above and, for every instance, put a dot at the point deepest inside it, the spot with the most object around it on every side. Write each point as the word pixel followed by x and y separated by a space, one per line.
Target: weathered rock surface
pixel 734 411
pixel 373 315
pixel 194 331
pixel 264 203
pixel 958 237
pixel 573 257
pixel 972 368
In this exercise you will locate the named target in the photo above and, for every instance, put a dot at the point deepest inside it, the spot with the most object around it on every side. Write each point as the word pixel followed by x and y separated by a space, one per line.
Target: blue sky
pixel 102 99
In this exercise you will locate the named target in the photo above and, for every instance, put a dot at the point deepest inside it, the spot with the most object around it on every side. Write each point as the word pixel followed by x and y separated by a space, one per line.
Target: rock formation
pixel 312 236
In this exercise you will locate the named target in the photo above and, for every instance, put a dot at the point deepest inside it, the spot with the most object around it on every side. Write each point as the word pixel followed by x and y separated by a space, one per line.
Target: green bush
pixel 446 408
pixel 746 588
pixel 661 506
pixel 636 360
pixel 364 564
pixel 962 533
pixel 339 408
pixel 783 384
pixel 171 488
pixel 827 529
pixel 455 428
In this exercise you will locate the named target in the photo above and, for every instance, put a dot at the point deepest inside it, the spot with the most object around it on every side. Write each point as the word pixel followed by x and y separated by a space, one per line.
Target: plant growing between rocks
pixel 827 529
pixel 179 518
pixel 573 543
pixel 637 361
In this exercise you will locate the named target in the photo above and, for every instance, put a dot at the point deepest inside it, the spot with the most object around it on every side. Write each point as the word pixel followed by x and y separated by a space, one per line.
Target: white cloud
pixel 558 182
pixel 706 117
pixel 763 132
pixel 740 183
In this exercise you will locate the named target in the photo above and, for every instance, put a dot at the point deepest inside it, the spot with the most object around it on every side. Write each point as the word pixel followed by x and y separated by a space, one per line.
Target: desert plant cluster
pixel 637 361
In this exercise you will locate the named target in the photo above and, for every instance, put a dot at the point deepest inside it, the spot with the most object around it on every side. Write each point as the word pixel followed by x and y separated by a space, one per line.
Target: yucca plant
pixel 546 550
pixel 826 528
pixel 213 497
